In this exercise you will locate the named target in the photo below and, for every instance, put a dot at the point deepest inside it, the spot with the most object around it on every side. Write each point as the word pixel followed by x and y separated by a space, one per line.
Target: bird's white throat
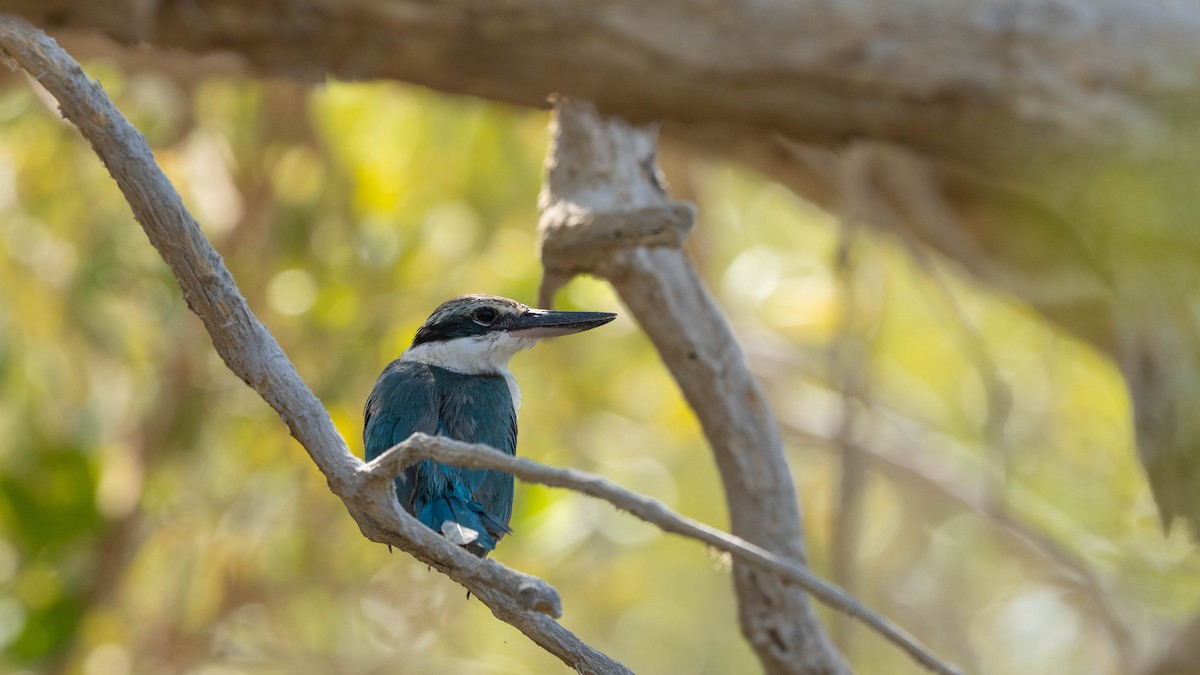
pixel 476 355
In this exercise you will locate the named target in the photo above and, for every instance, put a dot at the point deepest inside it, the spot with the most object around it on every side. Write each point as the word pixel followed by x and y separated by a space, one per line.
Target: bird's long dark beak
pixel 544 323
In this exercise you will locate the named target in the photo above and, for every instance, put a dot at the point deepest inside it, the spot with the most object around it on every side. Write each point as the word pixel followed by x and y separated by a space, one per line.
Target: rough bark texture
pixel 1052 75
pixel 600 173
pixel 1048 146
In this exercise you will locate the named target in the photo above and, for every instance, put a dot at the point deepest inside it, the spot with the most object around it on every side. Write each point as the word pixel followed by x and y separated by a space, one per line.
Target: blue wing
pixel 401 404
pixel 410 397
pixel 479 409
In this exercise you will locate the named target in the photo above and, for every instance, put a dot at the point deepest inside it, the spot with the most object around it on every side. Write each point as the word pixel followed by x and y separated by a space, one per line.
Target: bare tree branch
pixel 600 165
pixel 250 351
pixel 849 369
pixel 1052 72
pixel 447 451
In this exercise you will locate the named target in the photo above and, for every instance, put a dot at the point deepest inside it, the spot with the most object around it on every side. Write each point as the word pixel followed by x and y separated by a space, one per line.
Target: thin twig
pixel 847 356
pixel 250 351
pixel 440 449
pixel 996 390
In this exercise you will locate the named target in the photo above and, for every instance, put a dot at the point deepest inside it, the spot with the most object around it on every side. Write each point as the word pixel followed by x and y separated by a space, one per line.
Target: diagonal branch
pixel 382 469
pixel 250 351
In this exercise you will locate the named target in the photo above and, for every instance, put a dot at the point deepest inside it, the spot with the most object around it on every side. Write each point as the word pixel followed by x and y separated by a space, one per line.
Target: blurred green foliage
pixel 155 517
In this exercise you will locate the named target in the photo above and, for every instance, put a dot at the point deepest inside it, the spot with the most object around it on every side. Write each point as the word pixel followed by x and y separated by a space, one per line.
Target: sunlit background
pixel 155 516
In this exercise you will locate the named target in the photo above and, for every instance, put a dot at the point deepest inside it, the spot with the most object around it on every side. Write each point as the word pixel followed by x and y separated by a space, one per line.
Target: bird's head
pixel 478 334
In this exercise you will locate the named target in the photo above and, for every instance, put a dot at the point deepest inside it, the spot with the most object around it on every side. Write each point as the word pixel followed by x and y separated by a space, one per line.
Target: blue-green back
pixel 411 397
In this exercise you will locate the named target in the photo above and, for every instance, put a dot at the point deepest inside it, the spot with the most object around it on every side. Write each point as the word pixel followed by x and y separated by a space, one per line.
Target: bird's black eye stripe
pixel 485 316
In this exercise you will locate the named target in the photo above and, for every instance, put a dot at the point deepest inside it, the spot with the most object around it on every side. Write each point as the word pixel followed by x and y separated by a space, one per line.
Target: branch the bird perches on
pixel 474 456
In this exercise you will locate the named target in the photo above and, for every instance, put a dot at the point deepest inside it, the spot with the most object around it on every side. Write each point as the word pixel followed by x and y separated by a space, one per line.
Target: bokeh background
pixel 155 516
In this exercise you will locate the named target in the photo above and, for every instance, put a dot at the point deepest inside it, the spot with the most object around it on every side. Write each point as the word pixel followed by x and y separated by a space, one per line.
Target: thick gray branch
pixel 1044 75
pixel 251 352
pixel 605 166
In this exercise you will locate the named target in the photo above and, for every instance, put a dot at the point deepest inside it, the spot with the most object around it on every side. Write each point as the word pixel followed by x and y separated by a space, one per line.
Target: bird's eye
pixel 485 316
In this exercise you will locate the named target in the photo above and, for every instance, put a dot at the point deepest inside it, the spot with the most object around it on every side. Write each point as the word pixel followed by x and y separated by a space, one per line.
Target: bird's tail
pixel 463 522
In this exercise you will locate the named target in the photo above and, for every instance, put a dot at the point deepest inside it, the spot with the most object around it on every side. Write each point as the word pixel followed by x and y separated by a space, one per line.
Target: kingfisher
pixel 454 381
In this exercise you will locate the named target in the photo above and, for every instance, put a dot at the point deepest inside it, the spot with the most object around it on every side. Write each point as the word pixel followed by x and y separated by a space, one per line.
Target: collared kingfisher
pixel 454 381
